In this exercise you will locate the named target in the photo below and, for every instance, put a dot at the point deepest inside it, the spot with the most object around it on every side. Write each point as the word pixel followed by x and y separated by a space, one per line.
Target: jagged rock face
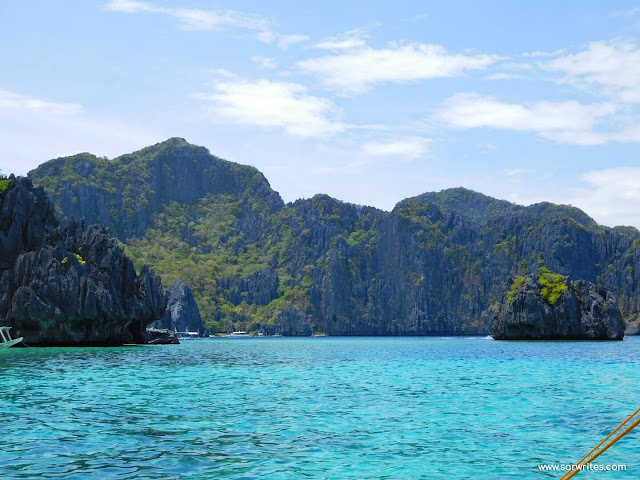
pixel 398 284
pixel 182 314
pixel 25 219
pixel 162 337
pixel 70 285
pixel 432 269
pixel 436 264
pixel 259 288
pixel 290 323
pixel 633 327
pixel 583 311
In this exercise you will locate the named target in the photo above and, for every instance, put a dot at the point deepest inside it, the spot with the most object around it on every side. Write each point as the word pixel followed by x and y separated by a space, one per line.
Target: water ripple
pixel 315 408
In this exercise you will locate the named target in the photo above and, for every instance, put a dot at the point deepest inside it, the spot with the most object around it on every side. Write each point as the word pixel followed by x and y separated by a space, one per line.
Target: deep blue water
pixel 340 408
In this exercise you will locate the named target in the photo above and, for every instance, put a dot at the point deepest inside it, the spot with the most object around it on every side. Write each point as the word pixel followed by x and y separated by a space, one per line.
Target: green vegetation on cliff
pixel 435 264
pixel 517 283
pixel 553 284
pixel 4 182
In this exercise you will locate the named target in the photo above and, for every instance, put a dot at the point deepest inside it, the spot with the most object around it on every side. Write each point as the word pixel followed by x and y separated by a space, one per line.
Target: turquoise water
pixel 340 408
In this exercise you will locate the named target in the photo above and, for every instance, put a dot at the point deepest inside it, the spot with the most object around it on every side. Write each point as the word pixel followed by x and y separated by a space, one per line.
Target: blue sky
pixel 370 102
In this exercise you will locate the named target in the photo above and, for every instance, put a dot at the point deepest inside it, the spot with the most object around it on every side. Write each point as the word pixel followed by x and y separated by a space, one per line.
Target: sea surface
pixel 316 408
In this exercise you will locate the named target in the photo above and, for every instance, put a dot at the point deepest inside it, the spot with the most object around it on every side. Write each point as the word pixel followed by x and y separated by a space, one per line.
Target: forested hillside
pixel 436 264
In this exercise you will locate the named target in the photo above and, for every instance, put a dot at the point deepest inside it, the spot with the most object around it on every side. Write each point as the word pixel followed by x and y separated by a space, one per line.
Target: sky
pixel 369 101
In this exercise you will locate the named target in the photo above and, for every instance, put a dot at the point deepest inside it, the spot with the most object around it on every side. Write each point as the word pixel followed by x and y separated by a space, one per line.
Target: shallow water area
pixel 347 408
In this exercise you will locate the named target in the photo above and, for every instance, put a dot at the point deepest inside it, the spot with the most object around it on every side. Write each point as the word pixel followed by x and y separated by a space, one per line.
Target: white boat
pixel 6 340
pixel 238 334
pixel 188 335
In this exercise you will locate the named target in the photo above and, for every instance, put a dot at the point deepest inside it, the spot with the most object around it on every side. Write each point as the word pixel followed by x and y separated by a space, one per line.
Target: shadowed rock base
pixel 290 323
pixel 159 336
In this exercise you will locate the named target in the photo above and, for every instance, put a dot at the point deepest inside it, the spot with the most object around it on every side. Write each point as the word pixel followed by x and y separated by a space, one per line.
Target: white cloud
pixel 191 18
pixel 627 13
pixel 17 102
pixel 274 104
pixel 285 40
pixel 205 20
pixel 264 62
pixel 410 147
pixel 487 148
pixel 267 37
pixel 129 6
pixel 222 73
pixel 539 53
pixel 60 129
pixel 516 176
pixel 612 67
pixel 517 66
pixel 612 197
pixel 563 122
pixel 358 70
pixel 504 76
pixel 630 133
pixel 345 41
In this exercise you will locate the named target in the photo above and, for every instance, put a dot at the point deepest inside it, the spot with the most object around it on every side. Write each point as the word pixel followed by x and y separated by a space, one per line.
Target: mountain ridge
pixel 152 181
pixel 438 197
pixel 436 263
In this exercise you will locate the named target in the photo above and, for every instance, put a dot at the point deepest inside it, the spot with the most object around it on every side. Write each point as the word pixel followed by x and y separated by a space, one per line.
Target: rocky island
pixel 68 285
pixel 549 306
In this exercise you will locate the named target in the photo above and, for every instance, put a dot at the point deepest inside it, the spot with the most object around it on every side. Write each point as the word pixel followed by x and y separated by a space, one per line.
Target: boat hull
pixel 11 343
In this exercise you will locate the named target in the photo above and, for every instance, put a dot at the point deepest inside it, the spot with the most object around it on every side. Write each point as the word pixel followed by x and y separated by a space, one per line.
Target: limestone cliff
pixel 182 314
pixel 436 264
pixel 68 285
pixel 290 323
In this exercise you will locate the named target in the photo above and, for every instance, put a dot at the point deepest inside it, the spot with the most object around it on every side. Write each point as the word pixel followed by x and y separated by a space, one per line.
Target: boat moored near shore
pixel 188 335
pixel 238 334
pixel 6 341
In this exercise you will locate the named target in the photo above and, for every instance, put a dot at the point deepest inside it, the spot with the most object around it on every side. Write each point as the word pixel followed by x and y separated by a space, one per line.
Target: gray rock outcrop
pixel 71 285
pixel 583 311
pixel 162 336
pixel 259 288
pixel 633 327
pixel 182 314
pixel 290 323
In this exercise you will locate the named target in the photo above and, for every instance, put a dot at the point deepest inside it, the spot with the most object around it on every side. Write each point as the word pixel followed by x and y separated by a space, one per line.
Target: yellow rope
pixel 573 473
pixel 606 447
pixel 604 440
